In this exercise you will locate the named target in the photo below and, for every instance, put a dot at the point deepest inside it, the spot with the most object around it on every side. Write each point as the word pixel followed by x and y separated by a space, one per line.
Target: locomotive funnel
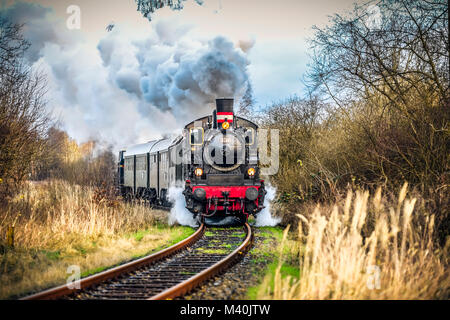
pixel 223 115
pixel 224 105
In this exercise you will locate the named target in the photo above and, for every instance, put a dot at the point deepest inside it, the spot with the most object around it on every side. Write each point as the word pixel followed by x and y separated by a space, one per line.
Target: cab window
pixel 196 136
pixel 249 136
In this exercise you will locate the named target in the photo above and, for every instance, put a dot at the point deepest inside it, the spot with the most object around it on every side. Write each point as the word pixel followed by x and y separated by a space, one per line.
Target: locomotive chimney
pixel 224 108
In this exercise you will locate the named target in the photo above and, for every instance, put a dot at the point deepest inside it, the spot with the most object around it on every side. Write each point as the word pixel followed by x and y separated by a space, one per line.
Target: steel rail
pixel 187 285
pixel 65 290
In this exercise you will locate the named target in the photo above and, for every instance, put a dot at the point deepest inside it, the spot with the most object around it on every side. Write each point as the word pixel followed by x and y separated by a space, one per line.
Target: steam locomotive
pixel 214 160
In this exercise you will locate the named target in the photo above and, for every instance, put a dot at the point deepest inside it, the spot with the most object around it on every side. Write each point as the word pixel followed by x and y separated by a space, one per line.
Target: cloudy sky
pixel 146 78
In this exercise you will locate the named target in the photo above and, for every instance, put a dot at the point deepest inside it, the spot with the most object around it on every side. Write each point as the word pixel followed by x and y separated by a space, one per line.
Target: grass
pixel 360 249
pixel 254 293
pixel 271 253
pixel 336 252
pixel 27 269
pixel 264 253
pixel 212 251
pixel 58 225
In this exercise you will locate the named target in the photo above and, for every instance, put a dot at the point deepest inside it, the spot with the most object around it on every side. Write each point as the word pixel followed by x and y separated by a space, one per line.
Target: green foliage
pixel 270 253
pixel 147 7
pixel 53 255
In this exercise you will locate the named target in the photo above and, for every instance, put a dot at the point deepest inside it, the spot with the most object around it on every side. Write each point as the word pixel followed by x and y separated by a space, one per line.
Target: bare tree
pixel 23 117
pixel 396 72
pixel 247 102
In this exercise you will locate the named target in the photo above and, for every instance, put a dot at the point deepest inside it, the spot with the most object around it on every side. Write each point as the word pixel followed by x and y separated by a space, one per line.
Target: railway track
pixel 167 274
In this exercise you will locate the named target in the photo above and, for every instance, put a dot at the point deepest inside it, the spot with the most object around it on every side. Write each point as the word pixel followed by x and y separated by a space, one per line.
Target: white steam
pixel 179 214
pixel 264 218
pixel 133 85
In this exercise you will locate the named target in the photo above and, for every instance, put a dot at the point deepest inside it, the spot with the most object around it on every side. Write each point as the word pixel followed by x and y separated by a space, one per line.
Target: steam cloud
pixel 264 218
pixel 179 213
pixel 134 88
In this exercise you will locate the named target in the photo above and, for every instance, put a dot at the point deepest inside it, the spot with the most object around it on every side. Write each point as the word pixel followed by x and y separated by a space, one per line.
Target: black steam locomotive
pixel 215 160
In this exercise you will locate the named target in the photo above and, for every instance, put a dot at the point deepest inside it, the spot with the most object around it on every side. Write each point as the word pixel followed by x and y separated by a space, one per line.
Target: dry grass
pixel 345 246
pixel 58 225
pixel 50 214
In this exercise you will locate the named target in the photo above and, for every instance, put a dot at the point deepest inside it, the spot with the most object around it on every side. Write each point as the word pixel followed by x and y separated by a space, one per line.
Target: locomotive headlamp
pixel 198 172
pixel 251 172
pixel 225 125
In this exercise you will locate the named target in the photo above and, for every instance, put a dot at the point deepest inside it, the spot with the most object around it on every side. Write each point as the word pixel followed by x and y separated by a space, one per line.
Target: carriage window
pixel 172 158
pixel 249 136
pixel 196 136
pixel 128 164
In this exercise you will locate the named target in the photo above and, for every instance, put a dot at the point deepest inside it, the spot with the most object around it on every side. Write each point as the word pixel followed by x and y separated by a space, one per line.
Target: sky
pixel 146 78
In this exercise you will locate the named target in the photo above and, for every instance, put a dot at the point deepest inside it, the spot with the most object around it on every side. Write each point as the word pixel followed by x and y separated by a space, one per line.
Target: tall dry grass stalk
pixel 48 213
pixel 363 250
